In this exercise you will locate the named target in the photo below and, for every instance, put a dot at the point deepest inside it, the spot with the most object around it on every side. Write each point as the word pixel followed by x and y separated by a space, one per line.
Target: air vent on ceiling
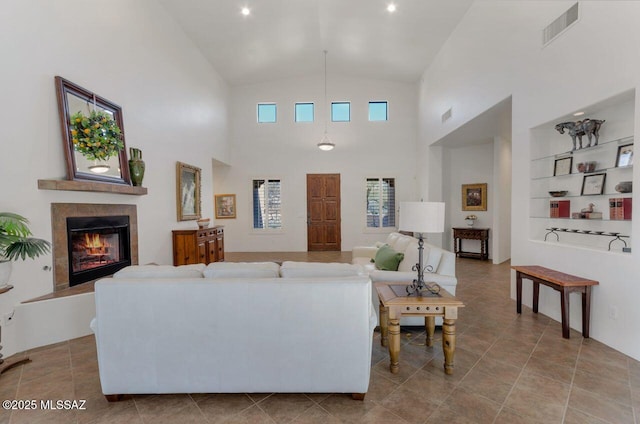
pixel 558 26
pixel 446 116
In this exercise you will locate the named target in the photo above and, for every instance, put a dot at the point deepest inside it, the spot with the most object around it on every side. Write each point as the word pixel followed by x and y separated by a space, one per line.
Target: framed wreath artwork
pixel 92 134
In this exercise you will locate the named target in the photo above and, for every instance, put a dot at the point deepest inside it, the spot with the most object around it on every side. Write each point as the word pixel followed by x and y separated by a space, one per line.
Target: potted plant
pixel 16 243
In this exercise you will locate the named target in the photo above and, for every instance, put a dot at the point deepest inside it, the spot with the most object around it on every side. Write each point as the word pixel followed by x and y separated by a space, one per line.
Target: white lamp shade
pixel 422 217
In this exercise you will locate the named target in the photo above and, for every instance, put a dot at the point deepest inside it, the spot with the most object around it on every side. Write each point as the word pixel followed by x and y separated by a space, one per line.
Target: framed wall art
pixel 474 197
pixel 593 184
pixel 625 155
pixel 92 134
pixel 225 206
pixel 187 192
pixel 562 166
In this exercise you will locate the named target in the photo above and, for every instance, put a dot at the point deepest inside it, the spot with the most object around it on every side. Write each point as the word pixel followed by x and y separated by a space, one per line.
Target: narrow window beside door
pixel 267 204
pixel 381 202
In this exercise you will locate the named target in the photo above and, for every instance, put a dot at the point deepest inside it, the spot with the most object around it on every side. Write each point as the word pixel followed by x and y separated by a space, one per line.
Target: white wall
pixel 545 83
pixel 287 150
pixel 501 201
pixel 467 165
pixel 174 106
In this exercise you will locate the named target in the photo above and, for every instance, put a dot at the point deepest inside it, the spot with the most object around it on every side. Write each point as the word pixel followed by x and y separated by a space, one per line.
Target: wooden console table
pixel 395 303
pixel 468 233
pixel 564 283
pixel 204 245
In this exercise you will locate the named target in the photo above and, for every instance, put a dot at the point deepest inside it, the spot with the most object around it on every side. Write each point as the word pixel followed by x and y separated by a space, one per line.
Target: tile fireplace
pixel 91 241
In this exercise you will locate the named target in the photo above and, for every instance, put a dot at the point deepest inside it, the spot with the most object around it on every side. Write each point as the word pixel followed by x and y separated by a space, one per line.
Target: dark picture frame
pixel 562 166
pixel 625 155
pixel 70 98
pixel 187 192
pixel 593 184
pixel 225 206
pixel 474 197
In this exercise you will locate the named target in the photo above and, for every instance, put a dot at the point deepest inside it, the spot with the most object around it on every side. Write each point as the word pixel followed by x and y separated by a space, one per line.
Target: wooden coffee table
pixel 394 303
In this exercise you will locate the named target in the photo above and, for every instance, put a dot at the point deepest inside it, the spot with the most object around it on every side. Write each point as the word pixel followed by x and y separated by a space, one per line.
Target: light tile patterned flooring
pixel 508 369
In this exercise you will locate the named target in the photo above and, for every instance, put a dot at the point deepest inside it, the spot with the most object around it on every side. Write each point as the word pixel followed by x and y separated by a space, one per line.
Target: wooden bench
pixel 564 283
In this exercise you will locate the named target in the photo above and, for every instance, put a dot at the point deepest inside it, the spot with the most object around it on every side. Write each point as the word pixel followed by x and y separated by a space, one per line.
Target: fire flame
pixel 95 244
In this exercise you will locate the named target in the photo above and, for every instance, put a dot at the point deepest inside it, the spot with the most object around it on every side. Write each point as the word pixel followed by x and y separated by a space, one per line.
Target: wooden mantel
pixel 71 185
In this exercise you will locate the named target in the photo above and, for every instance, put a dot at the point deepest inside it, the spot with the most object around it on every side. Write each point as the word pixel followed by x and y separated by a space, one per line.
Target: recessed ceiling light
pixel 391 8
pixel 246 11
pixel 578 114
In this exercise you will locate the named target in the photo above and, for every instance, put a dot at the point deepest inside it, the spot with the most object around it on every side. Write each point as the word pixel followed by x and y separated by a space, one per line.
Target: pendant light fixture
pixel 325 144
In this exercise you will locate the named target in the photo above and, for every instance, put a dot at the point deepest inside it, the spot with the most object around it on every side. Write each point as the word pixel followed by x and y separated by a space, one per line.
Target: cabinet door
pixel 211 248
pixel 220 249
pixel 202 251
pixel 184 250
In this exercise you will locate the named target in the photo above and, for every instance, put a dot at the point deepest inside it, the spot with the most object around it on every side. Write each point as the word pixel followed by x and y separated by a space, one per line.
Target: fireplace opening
pixel 97 247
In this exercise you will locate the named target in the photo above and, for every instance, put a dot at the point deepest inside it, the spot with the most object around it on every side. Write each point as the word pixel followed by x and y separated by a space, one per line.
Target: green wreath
pixel 97 136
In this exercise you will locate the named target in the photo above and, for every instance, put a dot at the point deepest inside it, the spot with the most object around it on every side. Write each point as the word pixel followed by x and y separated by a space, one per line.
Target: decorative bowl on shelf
pixel 624 187
pixel 589 166
pixel 203 223
pixel 558 193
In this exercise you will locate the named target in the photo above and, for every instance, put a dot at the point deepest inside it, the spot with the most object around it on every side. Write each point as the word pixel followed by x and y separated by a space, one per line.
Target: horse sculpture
pixel 588 127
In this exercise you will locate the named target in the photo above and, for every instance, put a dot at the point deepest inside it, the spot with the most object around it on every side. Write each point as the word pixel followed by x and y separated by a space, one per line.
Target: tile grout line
pixel 524 366
pixel 573 376
pixel 636 418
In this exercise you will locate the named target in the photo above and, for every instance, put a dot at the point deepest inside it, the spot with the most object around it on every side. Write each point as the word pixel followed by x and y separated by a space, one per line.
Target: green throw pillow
pixel 388 259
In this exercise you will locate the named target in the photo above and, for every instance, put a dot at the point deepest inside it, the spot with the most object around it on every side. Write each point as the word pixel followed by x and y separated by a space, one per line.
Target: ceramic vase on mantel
pixel 136 166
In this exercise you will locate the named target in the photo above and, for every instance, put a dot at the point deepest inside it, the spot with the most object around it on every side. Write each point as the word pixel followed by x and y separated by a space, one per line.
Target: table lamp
pixel 420 218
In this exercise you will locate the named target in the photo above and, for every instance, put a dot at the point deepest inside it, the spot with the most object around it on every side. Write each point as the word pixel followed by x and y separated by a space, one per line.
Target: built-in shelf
pixel 553 169
pixel 94 186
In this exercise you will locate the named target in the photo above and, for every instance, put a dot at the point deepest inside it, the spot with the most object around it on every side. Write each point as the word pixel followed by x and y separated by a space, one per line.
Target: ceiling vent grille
pixel 558 26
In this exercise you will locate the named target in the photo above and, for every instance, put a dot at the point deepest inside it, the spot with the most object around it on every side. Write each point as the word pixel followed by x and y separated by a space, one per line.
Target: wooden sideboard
pixel 468 233
pixel 198 246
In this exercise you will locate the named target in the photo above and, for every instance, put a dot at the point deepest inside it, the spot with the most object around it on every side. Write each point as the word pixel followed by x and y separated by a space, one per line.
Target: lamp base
pixel 426 290
pixel 419 286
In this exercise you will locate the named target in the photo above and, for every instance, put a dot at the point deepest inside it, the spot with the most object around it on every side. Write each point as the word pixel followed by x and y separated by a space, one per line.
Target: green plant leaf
pixel 15 241
pixel 14 225
pixel 29 247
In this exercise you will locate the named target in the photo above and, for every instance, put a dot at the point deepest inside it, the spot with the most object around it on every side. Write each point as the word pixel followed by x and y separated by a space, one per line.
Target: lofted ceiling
pixel 286 38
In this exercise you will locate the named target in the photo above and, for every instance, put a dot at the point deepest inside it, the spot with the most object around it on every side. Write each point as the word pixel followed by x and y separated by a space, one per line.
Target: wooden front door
pixel 323 212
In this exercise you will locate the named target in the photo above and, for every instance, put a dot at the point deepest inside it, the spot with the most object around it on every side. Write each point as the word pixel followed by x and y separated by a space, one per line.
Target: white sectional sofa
pixel 236 328
pixel 441 266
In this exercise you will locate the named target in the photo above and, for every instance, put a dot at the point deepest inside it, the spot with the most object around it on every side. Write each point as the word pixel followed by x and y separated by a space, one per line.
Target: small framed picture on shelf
pixel 593 184
pixel 625 155
pixel 562 166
